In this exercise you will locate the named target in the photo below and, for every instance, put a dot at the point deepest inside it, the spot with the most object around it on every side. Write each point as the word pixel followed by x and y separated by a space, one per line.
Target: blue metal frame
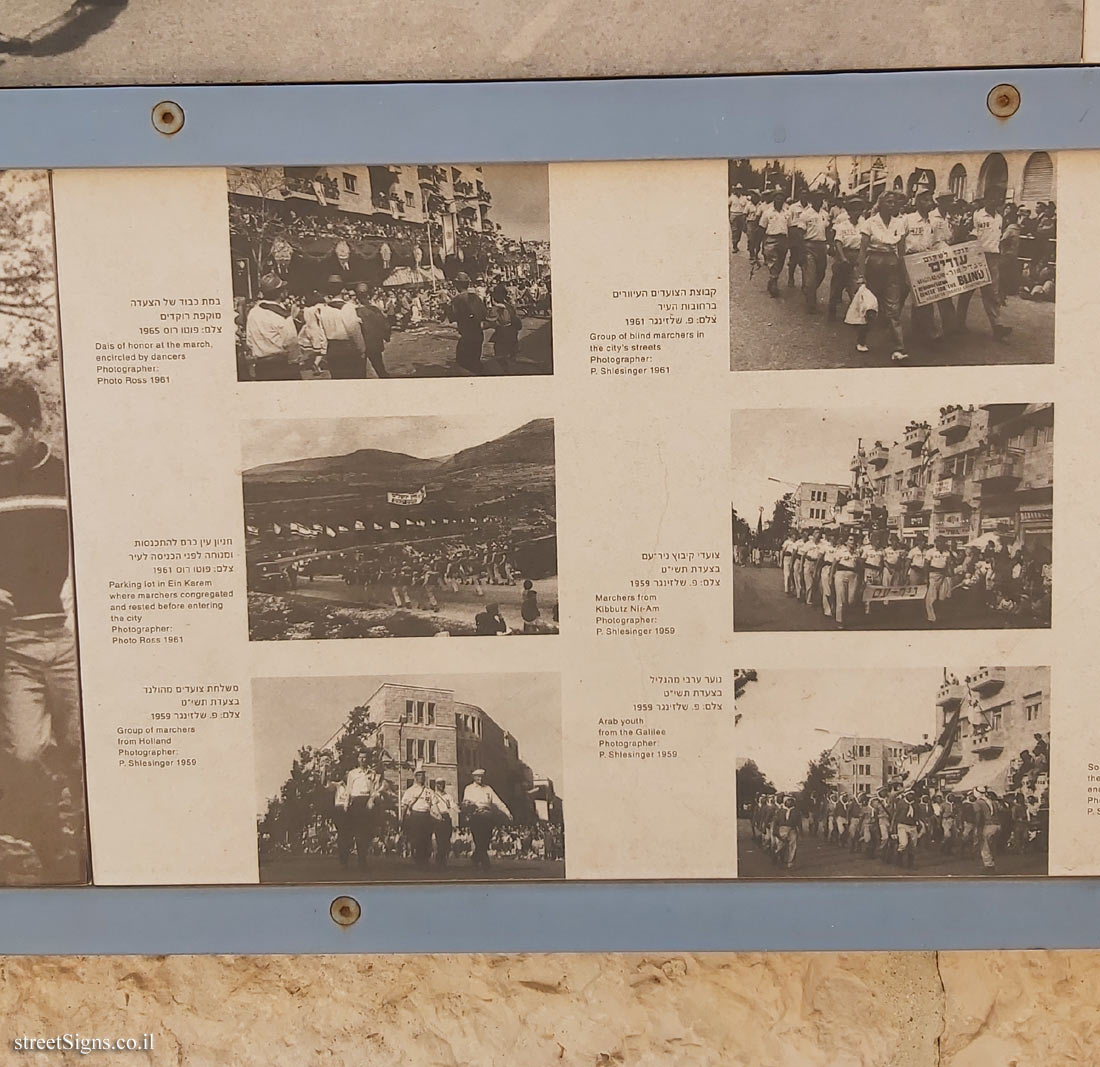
pixel 675 118
pixel 569 917
pixel 485 122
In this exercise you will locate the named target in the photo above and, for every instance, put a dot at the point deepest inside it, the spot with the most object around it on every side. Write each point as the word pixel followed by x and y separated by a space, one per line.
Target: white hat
pixel 419 768
pixel 480 770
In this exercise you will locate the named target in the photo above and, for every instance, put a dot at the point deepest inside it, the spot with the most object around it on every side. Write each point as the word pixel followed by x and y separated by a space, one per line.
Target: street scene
pixel 870 261
pixel 944 520
pixel 894 772
pixel 406 779
pixel 359 271
pixel 400 527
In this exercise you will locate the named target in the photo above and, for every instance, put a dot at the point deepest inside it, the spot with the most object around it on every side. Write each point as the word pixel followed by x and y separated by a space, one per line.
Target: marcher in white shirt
pixel 846 244
pixel 815 222
pixel 774 223
pixel 846 578
pixel 272 335
pixel 417 810
pixel 987 227
pixel 362 788
pixel 739 205
pixel 828 562
pixel 752 221
pixel 444 821
pixel 881 268
pixel 482 808
pixel 939 563
pixel 796 236
pixel 346 353
pixel 927 231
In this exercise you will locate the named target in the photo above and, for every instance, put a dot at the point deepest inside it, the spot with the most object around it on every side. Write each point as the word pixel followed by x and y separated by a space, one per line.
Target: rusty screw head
pixel 345 911
pixel 168 118
pixel 1003 101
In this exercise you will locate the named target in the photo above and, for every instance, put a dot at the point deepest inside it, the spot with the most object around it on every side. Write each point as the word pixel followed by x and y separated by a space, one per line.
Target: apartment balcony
pixel 950 695
pixel 986 747
pixel 955 425
pixel 856 463
pixel 913 497
pixel 303 187
pixel 878 456
pixel 954 528
pixel 947 490
pixel 432 177
pixel 915 437
pixel 988 680
pixel 484 195
pixel 998 473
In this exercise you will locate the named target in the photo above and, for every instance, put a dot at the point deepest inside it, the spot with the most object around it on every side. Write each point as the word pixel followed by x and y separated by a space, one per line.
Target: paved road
pixel 306 870
pixel 760 604
pixel 429 352
pixel 768 333
pixel 816 859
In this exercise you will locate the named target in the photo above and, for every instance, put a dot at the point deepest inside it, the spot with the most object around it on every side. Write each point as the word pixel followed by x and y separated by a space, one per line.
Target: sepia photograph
pixel 427 271
pixel 877 519
pixel 413 526
pixel 385 779
pixel 875 261
pixel 43 826
pixel 932 772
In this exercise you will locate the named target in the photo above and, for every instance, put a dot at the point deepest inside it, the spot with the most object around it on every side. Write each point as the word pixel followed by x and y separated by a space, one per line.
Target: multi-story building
pixel 979 470
pixel 449 738
pixel 816 502
pixel 990 718
pixel 1024 178
pixel 862 764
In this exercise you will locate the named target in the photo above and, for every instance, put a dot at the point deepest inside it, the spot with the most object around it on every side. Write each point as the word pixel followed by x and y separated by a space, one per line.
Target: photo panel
pixel 893 772
pixel 871 261
pixel 390 778
pixel 378 271
pixel 885 519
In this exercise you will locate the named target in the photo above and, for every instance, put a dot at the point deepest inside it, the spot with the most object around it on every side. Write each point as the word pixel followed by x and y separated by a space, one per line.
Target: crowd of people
pixel 866 244
pixel 426 824
pixel 830 569
pixel 895 823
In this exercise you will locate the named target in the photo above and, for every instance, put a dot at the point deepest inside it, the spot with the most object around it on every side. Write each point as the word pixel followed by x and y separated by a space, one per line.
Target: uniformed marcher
pixel 482 808
pixel 272 335
pixel 846 578
pixel 939 564
pixel 773 221
pixel 828 565
pixel 739 205
pixel 892 562
pixel 418 806
pixel 789 831
pixel 905 828
pixel 815 222
pixel 846 244
pixel 926 231
pixel 881 266
pixel 987 225
pixel 811 567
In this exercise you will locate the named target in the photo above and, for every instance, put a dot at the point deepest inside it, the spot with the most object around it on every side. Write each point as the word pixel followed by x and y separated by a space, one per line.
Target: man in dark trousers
pixel 41 782
pixel 468 312
pixel 375 327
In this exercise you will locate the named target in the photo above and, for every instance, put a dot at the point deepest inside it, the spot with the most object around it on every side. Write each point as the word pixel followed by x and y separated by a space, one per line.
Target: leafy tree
pixel 782 521
pixel 751 783
pixel 742 531
pixel 818 781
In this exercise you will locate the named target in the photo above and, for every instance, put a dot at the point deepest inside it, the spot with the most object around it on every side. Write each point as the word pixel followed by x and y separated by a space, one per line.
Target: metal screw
pixel 168 118
pixel 1003 101
pixel 345 911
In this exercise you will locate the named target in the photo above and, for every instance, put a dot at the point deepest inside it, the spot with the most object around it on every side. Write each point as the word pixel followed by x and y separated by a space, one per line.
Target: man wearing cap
pixel 815 221
pixel 482 808
pixel 468 312
pixel 752 222
pixel 905 828
pixel 272 335
pixel 739 206
pixel 789 830
pixel 444 821
pixel 987 225
pixel 362 789
pixel 345 351
pixel 40 774
pixel 375 328
pixel 416 811
pixel 773 223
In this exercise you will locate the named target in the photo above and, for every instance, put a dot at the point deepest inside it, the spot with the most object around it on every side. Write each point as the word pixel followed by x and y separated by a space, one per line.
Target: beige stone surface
pixel 422 40
pixel 1020 1009
pixel 728 1010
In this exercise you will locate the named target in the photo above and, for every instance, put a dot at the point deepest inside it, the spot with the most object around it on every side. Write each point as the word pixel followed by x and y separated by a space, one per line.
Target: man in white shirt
pixel 987 227
pixel 846 245
pixel 786 562
pixel 362 789
pixel 927 231
pixel 346 353
pixel 845 581
pixel 752 222
pixel 828 559
pixel 272 335
pixel 795 236
pixel 444 821
pixel 798 550
pixel 810 572
pixel 918 562
pixel 881 267
pixel 773 223
pixel 815 222
pixel 483 808
pixel 418 807
pixel 739 206
pixel 939 563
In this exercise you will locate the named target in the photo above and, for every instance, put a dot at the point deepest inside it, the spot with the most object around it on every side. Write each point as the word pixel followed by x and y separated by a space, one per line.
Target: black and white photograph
pixel 402 779
pixel 881 519
pixel 413 526
pixel 43 828
pixel 888 773
pixel 427 271
pixel 892 260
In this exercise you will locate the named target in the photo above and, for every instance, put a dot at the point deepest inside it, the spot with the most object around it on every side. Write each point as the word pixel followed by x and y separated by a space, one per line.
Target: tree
pixel 28 293
pixel 742 531
pixel 818 781
pixel 751 783
pixel 782 521
pixel 265 220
